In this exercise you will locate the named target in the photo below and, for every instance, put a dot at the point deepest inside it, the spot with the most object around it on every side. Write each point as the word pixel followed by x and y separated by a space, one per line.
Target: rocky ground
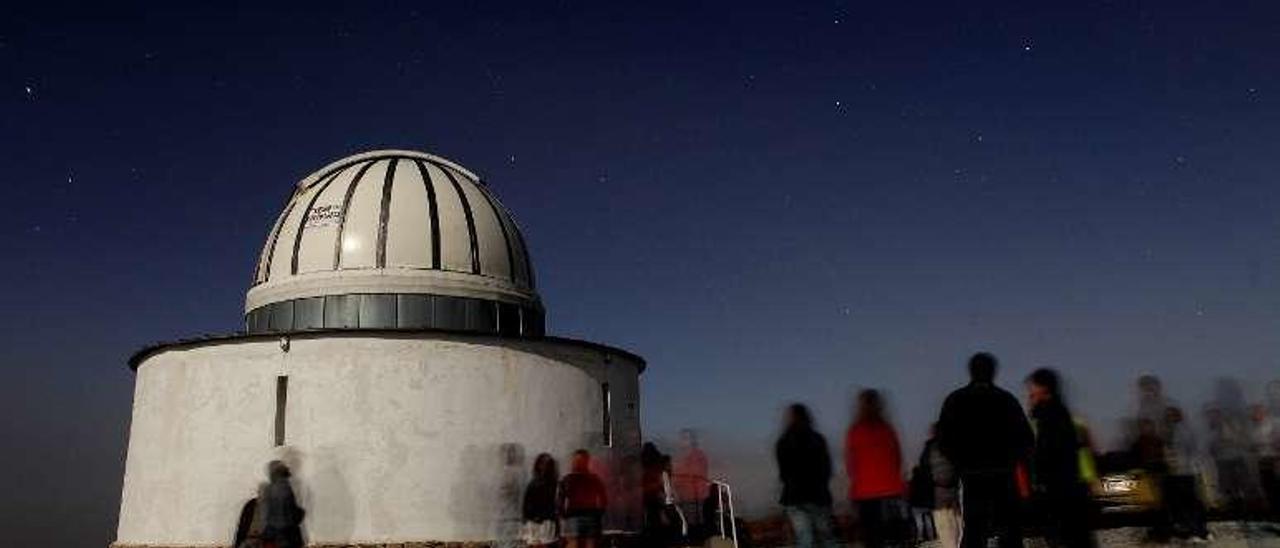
pixel 1225 535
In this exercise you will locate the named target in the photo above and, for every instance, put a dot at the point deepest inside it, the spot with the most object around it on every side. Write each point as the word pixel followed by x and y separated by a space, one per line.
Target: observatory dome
pixel 394 239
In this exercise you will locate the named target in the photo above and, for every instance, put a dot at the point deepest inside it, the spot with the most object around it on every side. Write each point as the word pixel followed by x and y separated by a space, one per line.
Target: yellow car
pixel 1122 488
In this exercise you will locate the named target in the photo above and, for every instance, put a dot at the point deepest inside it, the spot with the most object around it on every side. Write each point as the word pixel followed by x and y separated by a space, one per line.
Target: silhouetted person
pixel 984 433
pixel 873 462
pixel 1062 497
pixel 583 501
pixel 804 466
pixel 659 526
pixel 1180 490
pixel 1152 402
pixel 690 472
pixel 1265 431
pixel 282 517
pixel 249 526
pixel 538 511
pixel 947 521
pixel 1229 445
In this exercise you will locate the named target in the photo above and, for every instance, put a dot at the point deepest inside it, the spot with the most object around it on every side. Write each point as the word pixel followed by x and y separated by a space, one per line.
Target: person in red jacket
pixel 582 504
pixel 873 461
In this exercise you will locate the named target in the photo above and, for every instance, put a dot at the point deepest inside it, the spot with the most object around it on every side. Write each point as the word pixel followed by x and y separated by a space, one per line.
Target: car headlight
pixel 1119 484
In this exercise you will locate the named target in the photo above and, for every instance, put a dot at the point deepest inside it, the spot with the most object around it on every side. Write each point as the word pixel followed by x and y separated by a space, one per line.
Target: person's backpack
pixel 920 490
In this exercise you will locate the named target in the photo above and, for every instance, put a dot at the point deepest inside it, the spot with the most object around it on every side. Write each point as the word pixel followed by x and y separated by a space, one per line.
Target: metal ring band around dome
pixel 397 311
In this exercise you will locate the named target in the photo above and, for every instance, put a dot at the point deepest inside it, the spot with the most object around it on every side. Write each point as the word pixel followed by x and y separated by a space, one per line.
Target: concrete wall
pixel 391 438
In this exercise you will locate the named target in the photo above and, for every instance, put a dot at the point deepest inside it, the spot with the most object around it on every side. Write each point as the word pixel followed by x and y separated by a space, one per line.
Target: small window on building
pixel 607 406
pixel 282 316
pixel 308 313
pixel 482 316
pixel 282 398
pixel 508 319
pixel 341 311
pixel 413 311
pixel 378 311
pixel 449 312
pixel 260 320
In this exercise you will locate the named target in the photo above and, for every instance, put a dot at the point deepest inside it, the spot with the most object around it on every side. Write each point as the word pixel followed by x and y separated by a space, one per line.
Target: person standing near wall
pixel 538 511
pixel 804 466
pixel 690 475
pixel 282 517
pixel 873 462
pixel 583 501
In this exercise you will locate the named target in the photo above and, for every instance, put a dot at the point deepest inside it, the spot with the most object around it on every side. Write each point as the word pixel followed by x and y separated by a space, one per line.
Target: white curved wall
pixel 392 438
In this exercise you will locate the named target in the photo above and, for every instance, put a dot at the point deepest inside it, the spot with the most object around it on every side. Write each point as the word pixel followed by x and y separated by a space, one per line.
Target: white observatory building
pixel 394 357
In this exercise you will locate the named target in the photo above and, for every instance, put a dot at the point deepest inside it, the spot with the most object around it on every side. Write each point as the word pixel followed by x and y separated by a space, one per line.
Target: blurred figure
pixel 984 433
pixel 873 461
pixel 1088 452
pixel 1270 465
pixel 934 488
pixel 249 526
pixel 660 526
pixel 804 466
pixel 947 520
pixel 1180 491
pixel 1147 453
pixel 1231 446
pixel 1151 401
pixel 1063 498
pixel 541 527
pixel 1147 447
pixel 509 524
pixel 1266 447
pixel 582 504
pixel 690 475
pixel 282 517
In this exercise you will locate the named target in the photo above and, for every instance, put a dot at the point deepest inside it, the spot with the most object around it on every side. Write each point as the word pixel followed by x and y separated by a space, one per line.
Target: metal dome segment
pixel 394 223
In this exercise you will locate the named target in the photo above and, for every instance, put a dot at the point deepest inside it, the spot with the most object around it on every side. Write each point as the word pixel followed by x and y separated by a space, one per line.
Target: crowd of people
pixel 989 470
pixel 992 471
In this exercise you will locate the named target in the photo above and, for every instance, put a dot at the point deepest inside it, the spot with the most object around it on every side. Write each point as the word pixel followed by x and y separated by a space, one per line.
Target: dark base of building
pixel 424 544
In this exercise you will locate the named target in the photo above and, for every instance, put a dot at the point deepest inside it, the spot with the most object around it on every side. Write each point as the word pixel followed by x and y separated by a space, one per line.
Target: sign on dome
pixel 324 215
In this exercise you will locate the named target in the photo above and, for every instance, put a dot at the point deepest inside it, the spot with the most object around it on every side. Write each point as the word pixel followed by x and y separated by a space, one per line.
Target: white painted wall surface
pixel 391 438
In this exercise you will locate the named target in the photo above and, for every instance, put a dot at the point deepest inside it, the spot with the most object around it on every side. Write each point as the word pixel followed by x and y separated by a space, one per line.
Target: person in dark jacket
pixel 804 466
pixel 1062 497
pixel 660 528
pixel 282 517
pixel 539 508
pixel 249 526
pixel 983 432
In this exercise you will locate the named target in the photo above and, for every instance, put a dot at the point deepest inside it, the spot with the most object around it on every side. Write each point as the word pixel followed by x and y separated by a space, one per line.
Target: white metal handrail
pixel 725 493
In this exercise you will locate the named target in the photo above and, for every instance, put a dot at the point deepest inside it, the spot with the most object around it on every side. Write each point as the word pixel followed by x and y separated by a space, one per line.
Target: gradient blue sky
pixel 769 202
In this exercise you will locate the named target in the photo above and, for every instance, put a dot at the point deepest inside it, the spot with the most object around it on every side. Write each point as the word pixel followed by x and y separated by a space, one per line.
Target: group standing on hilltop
pixel 991 469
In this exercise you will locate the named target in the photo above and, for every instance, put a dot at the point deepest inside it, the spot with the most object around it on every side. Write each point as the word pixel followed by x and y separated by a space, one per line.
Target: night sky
pixel 770 203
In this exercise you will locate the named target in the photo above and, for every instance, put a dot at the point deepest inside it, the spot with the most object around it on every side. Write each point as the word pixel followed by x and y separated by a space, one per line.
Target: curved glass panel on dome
pixel 397 311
